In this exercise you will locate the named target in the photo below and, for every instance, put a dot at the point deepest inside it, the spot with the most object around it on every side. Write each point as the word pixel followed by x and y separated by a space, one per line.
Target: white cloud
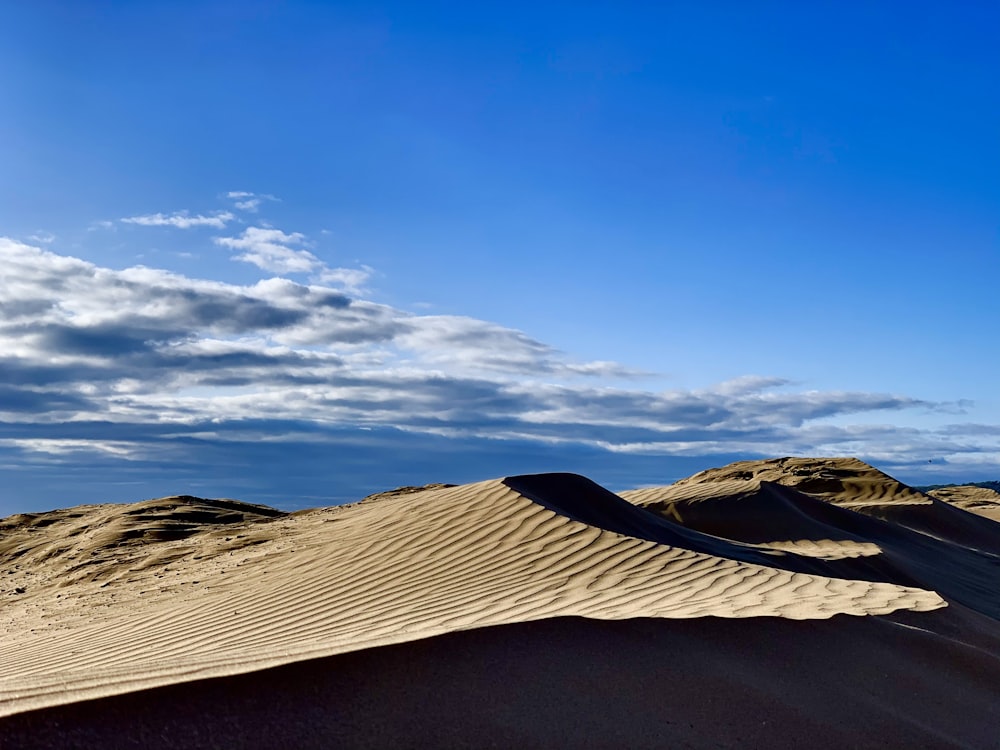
pixel 750 384
pixel 264 246
pixel 46 238
pixel 272 250
pixel 246 201
pixel 282 252
pixel 181 220
pixel 350 279
pixel 60 447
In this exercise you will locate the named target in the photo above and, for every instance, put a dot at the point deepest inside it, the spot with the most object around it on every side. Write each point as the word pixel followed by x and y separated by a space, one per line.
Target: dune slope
pixel 766 682
pixel 980 500
pixel 848 483
pixel 181 590
pixel 856 520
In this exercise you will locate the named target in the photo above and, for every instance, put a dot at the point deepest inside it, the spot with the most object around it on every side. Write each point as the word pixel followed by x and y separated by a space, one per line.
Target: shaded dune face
pixel 767 682
pixel 113 603
pixel 585 501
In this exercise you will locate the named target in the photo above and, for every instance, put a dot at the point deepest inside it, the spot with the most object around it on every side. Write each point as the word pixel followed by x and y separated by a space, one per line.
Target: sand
pixel 754 605
pixel 980 500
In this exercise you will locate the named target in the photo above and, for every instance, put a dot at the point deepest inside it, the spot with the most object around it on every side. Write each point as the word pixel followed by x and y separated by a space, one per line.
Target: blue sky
pixel 298 252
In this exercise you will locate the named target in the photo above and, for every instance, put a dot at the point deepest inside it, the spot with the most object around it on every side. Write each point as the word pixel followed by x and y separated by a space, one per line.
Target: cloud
pixel 180 220
pixel 272 250
pixel 45 238
pixel 748 385
pixel 246 201
pixel 269 249
pixel 282 252
pixel 155 363
pixel 353 279
pixel 28 400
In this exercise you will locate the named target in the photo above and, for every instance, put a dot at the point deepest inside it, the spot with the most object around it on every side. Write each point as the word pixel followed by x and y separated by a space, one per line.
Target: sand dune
pixel 980 500
pixel 847 483
pixel 107 607
pixel 860 522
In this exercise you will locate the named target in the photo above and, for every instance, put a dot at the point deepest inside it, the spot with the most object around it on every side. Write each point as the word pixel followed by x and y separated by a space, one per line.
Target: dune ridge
pixel 229 595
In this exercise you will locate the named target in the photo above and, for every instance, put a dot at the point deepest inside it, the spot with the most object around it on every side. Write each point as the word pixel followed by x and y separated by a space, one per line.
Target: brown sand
pixel 860 522
pixel 467 616
pixel 853 484
pixel 980 500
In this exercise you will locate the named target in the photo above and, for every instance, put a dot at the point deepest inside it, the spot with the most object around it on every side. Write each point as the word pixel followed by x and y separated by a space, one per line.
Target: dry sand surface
pixel 981 500
pixel 792 602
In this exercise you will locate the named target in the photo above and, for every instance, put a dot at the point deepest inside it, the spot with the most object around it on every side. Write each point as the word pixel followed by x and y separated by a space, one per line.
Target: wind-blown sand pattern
pixel 123 602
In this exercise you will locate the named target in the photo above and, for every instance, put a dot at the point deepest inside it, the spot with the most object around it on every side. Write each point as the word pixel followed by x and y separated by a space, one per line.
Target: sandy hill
pixel 843 482
pixel 531 611
pixel 983 501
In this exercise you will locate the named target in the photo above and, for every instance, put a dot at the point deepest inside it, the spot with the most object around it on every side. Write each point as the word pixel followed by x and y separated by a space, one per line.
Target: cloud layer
pixel 141 364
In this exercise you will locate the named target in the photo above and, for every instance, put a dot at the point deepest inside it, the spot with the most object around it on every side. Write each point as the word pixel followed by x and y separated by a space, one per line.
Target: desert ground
pixel 788 602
